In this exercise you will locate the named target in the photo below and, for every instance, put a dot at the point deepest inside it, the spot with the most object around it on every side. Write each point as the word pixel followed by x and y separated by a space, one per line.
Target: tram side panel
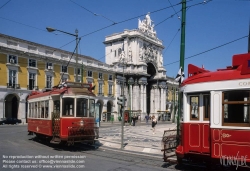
pixel 40 126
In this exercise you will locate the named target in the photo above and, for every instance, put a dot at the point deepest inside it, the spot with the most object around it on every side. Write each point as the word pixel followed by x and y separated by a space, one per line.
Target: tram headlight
pixel 81 123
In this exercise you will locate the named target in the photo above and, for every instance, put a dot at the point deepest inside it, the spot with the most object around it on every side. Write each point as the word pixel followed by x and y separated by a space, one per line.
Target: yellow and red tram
pixel 64 114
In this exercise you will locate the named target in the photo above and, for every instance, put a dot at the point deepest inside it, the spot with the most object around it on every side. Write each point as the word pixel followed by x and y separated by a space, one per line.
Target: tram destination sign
pixel 77 85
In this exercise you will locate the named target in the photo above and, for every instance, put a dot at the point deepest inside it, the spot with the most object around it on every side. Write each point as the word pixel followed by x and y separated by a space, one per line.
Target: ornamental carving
pixel 224 135
pixel 146 26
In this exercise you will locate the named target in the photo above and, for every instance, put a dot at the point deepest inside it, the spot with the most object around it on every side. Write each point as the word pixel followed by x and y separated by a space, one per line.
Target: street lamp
pixel 50 29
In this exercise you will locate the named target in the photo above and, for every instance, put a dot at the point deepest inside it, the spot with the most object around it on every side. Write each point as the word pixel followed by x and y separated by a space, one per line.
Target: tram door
pixel 199 130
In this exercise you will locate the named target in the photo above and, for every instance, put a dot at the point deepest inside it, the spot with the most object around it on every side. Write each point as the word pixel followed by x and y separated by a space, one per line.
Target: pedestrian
pixel 134 118
pixel 154 122
pixel 146 117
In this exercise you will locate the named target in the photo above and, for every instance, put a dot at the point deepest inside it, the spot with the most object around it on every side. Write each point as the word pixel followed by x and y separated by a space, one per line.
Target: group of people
pixel 147 117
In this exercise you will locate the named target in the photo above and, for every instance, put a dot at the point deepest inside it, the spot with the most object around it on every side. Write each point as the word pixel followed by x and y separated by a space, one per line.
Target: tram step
pixel 55 140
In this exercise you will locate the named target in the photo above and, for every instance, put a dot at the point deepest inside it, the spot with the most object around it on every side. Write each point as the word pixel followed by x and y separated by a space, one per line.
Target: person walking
pixel 134 119
pixel 154 122
pixel 147 117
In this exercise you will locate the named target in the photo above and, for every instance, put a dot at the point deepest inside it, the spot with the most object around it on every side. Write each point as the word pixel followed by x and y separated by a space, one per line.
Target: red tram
pixel 64 114
pixel 216 114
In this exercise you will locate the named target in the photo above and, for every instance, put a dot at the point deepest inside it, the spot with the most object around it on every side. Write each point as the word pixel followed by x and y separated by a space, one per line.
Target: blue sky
pixel 208 25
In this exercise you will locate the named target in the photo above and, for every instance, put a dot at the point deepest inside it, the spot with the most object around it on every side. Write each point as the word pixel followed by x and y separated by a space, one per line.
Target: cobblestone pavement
pixel 139 138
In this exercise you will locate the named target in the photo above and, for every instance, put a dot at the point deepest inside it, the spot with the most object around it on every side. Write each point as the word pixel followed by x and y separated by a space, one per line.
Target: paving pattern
pixel 139 138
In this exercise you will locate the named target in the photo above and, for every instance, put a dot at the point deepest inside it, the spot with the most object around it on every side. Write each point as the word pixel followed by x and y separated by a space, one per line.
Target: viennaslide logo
pixel 236 160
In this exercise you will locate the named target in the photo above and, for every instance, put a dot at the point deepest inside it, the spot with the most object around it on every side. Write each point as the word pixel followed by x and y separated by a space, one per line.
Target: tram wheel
pixel 179 160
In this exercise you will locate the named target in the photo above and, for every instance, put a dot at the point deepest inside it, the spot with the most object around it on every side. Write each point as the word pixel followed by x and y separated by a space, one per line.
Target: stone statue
pixel 161 61
pixel 146 26
pixel 140 54
pixel 122 55
pixel 148 20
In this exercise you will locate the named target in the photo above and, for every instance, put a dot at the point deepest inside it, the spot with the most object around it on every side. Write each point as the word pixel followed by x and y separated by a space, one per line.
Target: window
pixel 110 77
pixel 68 107
pixel 56 106
pixel 91 108
pixel 82 107
pixel 206 106
pixel 48 81
pixel 100 88
pixel 46 109
pixel 100 76
pixel 12 59
pixel 110 89
pixel 42 109
pixel 32 79
pixel 78 71
pixel 32 63
pixel 12 78
pixel 89 73
pixel 194 107
pixel 49 66
pixel 64 68
pixel 248 63
pixel 235 108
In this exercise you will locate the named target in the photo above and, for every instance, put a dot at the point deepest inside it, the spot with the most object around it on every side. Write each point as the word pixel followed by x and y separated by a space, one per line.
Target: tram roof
pixel 63 90
pixel 240 69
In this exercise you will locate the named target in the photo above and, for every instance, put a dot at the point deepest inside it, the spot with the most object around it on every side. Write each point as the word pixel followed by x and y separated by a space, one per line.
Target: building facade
pixel 136 56
pixel 26 66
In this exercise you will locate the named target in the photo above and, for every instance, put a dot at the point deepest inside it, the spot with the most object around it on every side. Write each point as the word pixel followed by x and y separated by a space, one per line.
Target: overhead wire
pixel 95 14
pixel 4 4
pixel 209 50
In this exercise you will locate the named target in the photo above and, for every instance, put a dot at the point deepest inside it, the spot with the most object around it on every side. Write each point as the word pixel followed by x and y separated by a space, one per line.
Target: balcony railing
pixel 10 85
pixel 110 95
pixel 100 94
pixel 29 87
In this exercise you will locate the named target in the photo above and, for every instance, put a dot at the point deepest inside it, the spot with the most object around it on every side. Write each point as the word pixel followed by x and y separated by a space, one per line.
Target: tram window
pixel 194 108
pixel 46 109
pixel 56 106
pixel 68 107
pixel 91 108
pixel 82 107
pixel 32 110
pixel 29 110
pixel 206 106
pixel 42 109
pixel 39 109
pixel 36 110
pixel 236 108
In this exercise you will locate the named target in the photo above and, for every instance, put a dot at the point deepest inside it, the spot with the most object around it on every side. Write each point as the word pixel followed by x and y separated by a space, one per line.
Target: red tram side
pixel 64 114
pixel 216 114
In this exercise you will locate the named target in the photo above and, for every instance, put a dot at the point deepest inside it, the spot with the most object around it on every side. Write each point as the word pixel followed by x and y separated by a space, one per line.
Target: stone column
pixel 21 111
pixel 145 98
pixel 118 88
pixel 118 93
pixel 126 95
pixel 136 93
pixel 2 107
pixel 152 99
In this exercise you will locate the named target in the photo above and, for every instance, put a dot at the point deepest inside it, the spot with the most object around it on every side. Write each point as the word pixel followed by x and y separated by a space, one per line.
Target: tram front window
pixel 235 108
pixel 82 107
pixel 91 108
pixel 68 107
